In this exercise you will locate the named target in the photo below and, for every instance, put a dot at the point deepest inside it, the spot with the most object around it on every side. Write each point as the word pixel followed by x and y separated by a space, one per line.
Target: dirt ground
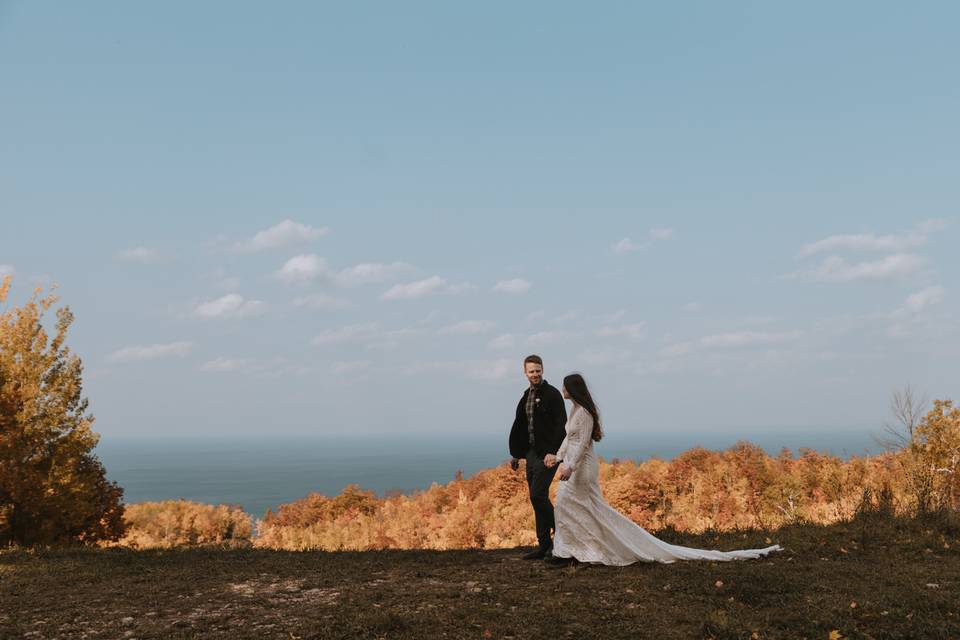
pixel 899 579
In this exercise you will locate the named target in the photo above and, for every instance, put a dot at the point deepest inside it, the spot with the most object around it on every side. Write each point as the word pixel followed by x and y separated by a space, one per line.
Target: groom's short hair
pixel 534 358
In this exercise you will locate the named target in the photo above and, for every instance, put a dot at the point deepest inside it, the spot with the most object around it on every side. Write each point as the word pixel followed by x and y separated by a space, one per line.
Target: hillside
pixel 874 576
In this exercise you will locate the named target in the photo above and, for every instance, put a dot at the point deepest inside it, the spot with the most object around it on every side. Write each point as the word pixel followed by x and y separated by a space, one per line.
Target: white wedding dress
pixel 590 530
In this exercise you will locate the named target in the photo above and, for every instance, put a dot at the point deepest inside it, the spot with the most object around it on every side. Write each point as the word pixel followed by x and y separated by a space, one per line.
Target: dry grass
pixel 874 577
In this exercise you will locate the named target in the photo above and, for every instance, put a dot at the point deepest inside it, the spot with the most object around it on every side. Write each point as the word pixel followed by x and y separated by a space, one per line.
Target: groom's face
pixel 534 372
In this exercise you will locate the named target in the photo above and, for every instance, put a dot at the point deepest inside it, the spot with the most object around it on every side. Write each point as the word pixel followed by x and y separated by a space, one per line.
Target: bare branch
pixel 908 409
pixel 893 438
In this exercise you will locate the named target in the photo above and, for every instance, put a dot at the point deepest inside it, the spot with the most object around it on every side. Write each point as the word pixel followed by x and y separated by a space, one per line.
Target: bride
pixel 587 528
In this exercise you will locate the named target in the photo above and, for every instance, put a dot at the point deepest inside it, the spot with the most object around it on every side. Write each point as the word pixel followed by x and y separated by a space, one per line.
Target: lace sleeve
pixel 583 427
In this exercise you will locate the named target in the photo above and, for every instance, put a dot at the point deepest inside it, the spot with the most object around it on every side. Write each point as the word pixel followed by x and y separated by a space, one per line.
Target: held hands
pixel 564 472
pixel 549 460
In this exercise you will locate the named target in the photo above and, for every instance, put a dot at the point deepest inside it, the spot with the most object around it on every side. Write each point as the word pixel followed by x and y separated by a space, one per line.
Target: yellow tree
pixel 938 441
pixel 52 488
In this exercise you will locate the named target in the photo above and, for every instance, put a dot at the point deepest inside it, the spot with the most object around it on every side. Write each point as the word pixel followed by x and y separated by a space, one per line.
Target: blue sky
pixel 309 218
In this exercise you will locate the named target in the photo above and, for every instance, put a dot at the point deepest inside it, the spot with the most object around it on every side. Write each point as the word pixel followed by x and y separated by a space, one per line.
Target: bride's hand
pixel 549 460
pixel 564 472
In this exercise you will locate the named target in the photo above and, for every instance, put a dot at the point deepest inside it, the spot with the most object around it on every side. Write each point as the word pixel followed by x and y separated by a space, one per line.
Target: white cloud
pixel 225 365
pixel 635 331
pixel 371 273
pixel 320 302
pixel 598 357
pixel 693 307
pixel 6 270
pixel 678 349
pixel 514 286
pixel 872 242
pixel 757 320
pixel 655 235
pixel 391 339
pixel 747 339
pixel 616 316
pixel 419 289
pixel 232 305
pixel 731 340
pixel 460 287
pixel 564 318
pixel 350 367
pixel 504 341
pixel 310 267
pixel 369 334
pixel 469 327
pixel 913 317
pixel 354 333
pixel 924 298
pixel 488 370
pixel 303 269
pixel 861 242
pixel 548 337
pixel 626 246
pixel 279 236
pixel 151 352
pixel 892 267
pixel 934 225
pixel 413 290
pixel 270 368
pixel 140 255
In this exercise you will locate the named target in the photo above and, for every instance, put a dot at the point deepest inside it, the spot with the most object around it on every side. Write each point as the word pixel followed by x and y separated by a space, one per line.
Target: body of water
pixel 261 473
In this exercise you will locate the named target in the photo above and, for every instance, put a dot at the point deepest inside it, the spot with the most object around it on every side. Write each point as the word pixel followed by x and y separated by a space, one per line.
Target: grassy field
pixel 875 577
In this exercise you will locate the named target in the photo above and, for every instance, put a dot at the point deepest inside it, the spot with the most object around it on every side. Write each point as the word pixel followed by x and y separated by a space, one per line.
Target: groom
pixel 538 429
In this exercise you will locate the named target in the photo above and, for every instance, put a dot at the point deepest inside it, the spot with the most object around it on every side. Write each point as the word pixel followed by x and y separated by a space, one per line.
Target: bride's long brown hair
pixel 576 387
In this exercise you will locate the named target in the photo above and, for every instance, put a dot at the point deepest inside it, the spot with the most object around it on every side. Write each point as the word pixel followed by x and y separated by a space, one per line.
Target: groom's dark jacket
pixel 549 423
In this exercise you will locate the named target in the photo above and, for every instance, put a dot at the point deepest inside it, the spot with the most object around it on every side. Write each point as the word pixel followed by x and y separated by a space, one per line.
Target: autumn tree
pixel 172 523
pixel 52 488
pixel 937 445
pixel 908 407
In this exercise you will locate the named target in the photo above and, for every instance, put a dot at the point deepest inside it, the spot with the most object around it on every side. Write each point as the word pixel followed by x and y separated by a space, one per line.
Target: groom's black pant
pixel 539 478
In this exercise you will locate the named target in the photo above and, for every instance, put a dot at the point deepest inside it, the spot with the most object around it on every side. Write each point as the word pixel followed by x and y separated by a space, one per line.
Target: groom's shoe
pixel 537 554
pixel 556 562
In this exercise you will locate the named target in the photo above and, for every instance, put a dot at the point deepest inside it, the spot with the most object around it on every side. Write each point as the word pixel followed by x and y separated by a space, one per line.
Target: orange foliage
pixel 741 487
pixel 173 523
pixel 53 489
